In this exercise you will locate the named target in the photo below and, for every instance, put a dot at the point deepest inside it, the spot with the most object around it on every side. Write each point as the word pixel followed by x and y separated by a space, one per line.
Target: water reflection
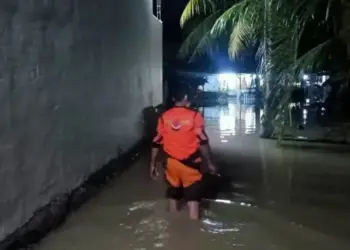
pixel 304 116
pixel 233 119
pixel 298 181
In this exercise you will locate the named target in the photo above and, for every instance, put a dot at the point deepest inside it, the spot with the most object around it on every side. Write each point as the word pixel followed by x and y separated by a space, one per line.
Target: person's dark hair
pixel 180 92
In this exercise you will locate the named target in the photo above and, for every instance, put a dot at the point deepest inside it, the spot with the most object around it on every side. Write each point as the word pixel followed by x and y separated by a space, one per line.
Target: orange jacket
pixel 180 132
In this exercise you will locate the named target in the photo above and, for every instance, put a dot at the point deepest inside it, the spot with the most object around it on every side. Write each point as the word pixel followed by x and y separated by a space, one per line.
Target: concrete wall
pixel 75 76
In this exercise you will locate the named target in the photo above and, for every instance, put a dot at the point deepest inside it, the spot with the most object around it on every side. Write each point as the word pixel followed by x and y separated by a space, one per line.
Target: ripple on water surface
pixel 148 226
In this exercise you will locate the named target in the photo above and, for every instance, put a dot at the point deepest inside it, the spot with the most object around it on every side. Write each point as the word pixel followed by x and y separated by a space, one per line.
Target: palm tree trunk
pixel 266 130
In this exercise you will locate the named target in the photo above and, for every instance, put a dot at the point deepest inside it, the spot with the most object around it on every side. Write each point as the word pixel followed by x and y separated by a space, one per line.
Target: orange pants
pixel 184 179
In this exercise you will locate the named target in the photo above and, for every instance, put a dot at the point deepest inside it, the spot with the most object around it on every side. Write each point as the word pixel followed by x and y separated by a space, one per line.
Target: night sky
pixel 171 13
pixel 217 60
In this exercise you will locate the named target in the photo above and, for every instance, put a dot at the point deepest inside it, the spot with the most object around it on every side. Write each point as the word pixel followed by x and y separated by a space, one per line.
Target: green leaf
pixel 199 39
pixel 196 7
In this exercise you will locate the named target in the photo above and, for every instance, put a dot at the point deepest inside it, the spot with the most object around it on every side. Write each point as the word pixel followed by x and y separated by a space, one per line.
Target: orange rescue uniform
pixel 180 132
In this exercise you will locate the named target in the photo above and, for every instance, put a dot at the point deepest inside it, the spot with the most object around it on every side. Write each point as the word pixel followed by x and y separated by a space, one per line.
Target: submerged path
pixel 284 198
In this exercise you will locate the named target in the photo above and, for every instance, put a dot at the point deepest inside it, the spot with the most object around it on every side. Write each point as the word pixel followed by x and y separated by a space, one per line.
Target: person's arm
pixel 156 144
pixel 204 140
pixel 154 154
pixel 205 151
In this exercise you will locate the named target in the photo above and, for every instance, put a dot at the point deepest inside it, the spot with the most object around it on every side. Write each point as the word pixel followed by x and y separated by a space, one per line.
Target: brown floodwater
pixel 290 197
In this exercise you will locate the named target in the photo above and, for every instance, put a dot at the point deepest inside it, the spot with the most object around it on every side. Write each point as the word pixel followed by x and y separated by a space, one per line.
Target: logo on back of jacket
pixel 176 124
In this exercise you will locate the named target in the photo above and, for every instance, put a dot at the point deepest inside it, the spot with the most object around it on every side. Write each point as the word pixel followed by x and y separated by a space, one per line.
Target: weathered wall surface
pixel 156 50
pixel 75 76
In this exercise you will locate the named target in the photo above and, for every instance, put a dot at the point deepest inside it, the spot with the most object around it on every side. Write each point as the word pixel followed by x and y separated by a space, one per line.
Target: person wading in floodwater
pixel 180 132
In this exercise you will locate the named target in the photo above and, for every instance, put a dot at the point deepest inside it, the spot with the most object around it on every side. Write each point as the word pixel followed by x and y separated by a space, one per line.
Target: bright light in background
pixel 324 78
pixel 231 81
pixel 321 78
pixel 250 120
pixel 227 121
pixel 226 77
pixel 304 116
pixel 231 109
pixel 228 80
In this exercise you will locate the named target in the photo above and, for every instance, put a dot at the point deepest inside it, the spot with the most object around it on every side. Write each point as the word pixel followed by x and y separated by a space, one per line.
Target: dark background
pixel 216 60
